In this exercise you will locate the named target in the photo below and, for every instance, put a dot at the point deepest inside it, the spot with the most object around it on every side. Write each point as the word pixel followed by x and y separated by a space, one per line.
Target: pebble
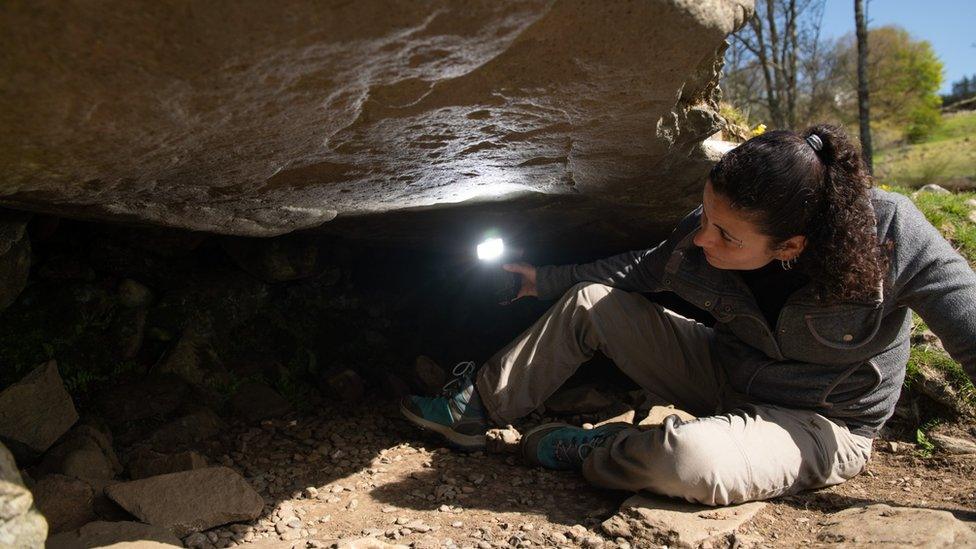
pixel 457 524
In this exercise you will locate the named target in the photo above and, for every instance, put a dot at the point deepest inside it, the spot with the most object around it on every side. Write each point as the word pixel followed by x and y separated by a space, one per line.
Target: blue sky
pixel 950 25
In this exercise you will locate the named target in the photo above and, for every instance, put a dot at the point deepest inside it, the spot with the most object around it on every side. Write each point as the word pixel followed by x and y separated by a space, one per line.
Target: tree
pixel 864 116
pixel 903 75
pixel 772 62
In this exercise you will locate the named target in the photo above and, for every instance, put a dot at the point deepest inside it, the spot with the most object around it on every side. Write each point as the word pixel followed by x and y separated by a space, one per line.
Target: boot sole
pixel 527 444
pixel 462 441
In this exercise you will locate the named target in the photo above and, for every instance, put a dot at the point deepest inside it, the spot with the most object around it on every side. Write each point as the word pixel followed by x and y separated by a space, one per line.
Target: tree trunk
pixel 862 83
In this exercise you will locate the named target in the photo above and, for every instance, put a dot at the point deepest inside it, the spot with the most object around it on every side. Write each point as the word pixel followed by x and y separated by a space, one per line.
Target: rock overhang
pixel 268 119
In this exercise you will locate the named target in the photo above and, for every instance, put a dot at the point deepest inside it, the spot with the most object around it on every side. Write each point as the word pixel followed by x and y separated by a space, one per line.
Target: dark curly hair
pixel 789 189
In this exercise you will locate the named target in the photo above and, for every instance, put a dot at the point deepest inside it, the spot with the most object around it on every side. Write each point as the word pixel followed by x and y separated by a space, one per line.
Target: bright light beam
pixel 492 248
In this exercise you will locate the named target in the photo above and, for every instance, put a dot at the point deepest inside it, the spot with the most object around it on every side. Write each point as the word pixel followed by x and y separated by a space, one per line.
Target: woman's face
pixel 731 240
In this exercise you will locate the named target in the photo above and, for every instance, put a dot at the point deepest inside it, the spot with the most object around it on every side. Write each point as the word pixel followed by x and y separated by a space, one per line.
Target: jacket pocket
pixel 845 329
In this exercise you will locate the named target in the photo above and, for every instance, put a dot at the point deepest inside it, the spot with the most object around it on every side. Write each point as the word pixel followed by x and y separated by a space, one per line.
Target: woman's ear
pixel 791 248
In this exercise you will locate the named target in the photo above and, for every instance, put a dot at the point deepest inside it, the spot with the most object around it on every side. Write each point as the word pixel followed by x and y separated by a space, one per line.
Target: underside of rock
pixel 266 119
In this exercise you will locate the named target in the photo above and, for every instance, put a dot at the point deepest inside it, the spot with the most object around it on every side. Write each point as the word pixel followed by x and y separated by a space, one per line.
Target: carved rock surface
pixel 880 525
pixel 651 521
pixel 264 118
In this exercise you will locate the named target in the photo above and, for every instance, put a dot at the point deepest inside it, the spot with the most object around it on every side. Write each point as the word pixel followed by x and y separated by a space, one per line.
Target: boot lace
pixel 461 374
pixel 575 451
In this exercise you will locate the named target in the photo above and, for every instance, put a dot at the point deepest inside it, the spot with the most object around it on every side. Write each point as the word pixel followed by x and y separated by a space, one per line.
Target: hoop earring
pixel 787 264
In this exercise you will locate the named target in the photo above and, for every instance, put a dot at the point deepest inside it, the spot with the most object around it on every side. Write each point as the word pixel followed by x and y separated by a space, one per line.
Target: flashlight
pixel 505 285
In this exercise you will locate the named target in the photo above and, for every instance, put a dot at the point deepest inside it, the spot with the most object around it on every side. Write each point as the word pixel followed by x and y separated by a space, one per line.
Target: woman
pixel 809 273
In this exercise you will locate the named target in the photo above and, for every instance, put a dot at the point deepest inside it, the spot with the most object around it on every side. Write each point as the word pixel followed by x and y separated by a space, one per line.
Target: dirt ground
pixel 346 473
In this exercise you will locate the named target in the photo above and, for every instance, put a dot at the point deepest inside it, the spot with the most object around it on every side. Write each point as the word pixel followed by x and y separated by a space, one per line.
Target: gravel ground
pixel 349 472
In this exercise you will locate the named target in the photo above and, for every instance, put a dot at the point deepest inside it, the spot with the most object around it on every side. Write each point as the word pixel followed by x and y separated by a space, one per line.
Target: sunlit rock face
pixel 270 117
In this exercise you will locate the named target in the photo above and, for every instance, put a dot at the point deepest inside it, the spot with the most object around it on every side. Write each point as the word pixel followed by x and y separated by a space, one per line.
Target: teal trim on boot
pixel 458 416
pixel 562 447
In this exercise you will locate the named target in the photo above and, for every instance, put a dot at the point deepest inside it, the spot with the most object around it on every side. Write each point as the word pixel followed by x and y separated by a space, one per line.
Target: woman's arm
pixel 936 282
pixel 637 271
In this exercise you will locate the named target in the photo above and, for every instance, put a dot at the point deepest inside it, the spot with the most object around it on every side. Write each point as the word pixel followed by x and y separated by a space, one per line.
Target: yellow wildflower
pixel 759 130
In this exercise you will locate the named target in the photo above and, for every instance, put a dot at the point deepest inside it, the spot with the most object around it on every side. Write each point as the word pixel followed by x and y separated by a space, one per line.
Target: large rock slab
pixel 883 525
pixel 189 501
pixel 35 412
pixel 650 521
pixel 102 534
pixel 21 525
pixel 259 120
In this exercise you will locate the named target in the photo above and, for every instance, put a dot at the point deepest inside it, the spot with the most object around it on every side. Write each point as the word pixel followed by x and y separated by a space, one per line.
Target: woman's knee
pixel 698 461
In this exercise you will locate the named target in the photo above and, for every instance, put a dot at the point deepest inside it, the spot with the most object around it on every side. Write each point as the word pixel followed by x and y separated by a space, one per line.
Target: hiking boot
pixel 563 447
pixel 458 414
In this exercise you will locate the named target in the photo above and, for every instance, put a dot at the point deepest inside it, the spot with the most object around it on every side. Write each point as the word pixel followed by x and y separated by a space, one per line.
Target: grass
pixel 952 216
pixel 947 157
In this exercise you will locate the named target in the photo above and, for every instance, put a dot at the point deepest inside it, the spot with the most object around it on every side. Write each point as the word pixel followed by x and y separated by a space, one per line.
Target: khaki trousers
pixel 734 452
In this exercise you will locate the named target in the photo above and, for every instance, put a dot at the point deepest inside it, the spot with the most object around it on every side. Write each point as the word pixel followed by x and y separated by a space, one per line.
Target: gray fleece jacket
pixel 844 360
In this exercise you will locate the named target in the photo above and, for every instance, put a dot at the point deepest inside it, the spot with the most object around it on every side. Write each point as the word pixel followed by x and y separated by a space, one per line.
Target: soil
pixel 361 470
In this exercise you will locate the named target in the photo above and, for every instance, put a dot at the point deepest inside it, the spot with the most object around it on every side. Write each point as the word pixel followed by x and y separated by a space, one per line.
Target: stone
pixel 128 331
pixel 934 384
pixel 428 375
pixel 133 294
pixel 67 503
pixel 953 445
pixel 15 256
pixel 21 525
pixel 971 202
pixel 149 463
pixel 366 543
pixel 194 427
pixel 35 412
pixel 578 400
pixel 256 401
pixel 344 384
pixel 652 521
pixel 272 125
pixel 882 525
pixel 153 396
pixel 85 453
pixel 932 188
pixel 972 216
pixel 502 441
pixel 189 501
pixel 657 414
pixel 102 533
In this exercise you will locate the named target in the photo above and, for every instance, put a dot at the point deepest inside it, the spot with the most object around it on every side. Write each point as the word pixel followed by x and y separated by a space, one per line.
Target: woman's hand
pixel 528 278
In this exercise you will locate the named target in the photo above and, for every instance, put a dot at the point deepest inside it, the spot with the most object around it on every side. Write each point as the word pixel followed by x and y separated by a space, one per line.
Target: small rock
pixel 953 445
pixel 578 400
pixel 35 412
pixel 67 503
pixel 346 385
pixel 429 376
pixel 257 401
pixel 104 534
pixel 658 414
pixel 502 441
pixel 931 188
pixel 149 463
pixel 133 294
